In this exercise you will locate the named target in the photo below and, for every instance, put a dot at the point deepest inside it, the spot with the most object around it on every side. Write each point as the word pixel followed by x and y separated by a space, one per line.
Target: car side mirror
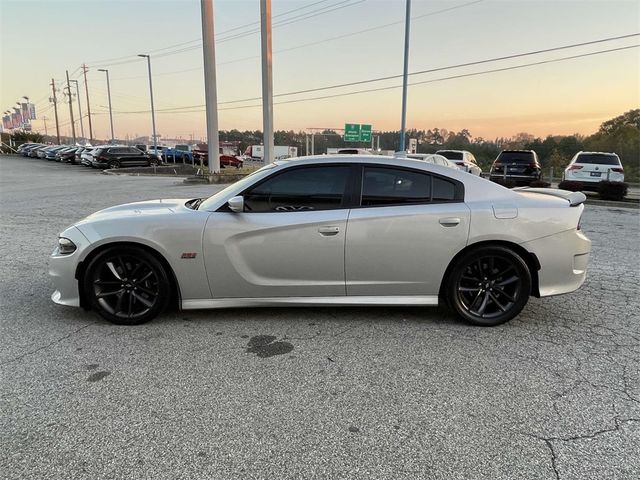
pixel 236 204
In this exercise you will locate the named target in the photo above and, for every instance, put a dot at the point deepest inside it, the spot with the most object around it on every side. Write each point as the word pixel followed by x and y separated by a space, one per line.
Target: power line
pixel 421 72
pixel 317 42
pixel 326 9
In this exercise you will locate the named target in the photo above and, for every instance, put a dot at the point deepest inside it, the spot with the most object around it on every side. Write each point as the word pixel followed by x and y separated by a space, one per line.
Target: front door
pixel 288 242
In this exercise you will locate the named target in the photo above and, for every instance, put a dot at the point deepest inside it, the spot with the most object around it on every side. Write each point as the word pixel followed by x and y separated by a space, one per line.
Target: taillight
pixel 575 167
pixel 497 164
pixel 618 170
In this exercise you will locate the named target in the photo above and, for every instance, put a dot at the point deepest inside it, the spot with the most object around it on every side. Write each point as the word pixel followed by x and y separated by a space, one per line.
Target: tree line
pixel 620 135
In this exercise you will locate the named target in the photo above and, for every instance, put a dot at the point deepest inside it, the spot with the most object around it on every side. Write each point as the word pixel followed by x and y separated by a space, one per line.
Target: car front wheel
pixel 127 285
pixel 114 164
pixel 489 285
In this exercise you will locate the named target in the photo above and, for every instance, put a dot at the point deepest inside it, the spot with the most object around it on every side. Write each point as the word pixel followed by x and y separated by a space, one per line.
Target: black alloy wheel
pixel 114 164
pixel 489 285
pixel 127 285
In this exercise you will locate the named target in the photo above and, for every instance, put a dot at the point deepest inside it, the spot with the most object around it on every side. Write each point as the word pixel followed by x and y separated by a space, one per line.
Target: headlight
pixel 66 246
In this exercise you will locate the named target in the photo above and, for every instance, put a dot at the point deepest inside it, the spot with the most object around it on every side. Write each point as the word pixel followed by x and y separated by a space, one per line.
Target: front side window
pixel 300 189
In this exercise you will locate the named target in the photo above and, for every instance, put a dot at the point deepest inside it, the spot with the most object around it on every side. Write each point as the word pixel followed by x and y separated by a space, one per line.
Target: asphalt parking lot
pixel 308 392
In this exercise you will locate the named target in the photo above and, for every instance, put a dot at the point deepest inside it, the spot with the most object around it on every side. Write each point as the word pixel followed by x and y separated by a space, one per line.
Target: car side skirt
pixel 310 301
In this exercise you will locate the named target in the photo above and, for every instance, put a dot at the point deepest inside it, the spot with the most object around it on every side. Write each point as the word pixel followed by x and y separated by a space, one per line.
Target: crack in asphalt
pixel 44 347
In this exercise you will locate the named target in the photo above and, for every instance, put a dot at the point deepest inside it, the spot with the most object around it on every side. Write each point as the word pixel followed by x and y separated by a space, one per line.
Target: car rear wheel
pixel 114 164
pixel 127 285
pixel 489 285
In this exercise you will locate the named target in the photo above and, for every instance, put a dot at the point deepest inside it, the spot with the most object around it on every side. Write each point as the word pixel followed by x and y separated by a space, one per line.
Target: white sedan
pixel 338 230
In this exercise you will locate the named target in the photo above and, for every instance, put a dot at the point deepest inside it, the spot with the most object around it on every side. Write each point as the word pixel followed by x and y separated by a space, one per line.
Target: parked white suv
pixel 463 159
pixel 593 167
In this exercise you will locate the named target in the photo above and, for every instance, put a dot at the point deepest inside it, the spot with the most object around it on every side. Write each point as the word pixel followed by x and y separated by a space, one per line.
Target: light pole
pixel 79 109
pixel 109 95
pixel 210 88
pixel 153 113
pixel 267 82
pixel 405 76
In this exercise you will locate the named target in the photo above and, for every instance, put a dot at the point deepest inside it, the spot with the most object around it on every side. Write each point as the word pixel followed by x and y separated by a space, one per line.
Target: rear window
pixel 451 155
pixel 598 158
pixel 516 157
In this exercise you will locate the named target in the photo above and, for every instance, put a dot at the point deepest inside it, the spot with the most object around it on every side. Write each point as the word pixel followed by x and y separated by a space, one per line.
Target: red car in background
pixel 229 154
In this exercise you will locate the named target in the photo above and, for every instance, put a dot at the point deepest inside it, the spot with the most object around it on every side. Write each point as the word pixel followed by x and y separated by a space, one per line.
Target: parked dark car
pixel 522 167
pixel 66 155
pixel 118 157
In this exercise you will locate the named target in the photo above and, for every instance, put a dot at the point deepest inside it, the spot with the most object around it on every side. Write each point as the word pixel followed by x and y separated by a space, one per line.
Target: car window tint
pixel 301 189
pixel 443 190
pixel 598 159
pixel 450 155
pixel 390 186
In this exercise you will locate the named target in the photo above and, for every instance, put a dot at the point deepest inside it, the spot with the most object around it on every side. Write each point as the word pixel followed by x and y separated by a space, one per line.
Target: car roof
pixel 450 150
pixel 597 153
pixel 383 160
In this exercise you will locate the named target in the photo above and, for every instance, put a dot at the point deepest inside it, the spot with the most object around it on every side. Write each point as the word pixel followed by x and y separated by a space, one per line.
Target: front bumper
pixel 62 270
pixel 563 261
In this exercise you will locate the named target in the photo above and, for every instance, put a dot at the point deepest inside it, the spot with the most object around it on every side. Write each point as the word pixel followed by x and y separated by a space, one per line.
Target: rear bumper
pixel 563 261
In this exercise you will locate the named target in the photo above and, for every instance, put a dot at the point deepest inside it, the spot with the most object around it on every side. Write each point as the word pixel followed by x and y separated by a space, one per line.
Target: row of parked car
pixel 101 156
pixel 521 167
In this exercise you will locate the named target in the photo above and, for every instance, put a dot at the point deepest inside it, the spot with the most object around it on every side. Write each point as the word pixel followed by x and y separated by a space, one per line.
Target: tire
pixel 488 286
pixel 114 164
pixel 127 285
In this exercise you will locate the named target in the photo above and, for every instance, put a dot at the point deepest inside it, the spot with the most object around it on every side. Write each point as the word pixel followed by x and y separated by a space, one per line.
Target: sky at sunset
pixel 323 43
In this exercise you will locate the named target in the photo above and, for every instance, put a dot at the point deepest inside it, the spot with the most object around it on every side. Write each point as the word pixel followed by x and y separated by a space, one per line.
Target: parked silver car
pixel 330 230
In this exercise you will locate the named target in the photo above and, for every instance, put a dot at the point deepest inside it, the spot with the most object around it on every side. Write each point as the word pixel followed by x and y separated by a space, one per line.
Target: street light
pixel 153 113
pixel 109 95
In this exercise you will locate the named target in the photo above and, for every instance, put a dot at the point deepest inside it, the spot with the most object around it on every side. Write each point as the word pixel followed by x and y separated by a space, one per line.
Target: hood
pixel 146 208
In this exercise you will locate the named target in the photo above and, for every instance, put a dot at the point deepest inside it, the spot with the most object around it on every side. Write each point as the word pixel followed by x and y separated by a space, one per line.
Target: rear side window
pixel 391 186
pixel 516 157
pixel 598 159
pixel 300 189
pixel 451 155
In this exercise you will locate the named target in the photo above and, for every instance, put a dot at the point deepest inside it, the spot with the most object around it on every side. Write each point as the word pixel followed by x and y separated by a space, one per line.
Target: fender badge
pixel 188 255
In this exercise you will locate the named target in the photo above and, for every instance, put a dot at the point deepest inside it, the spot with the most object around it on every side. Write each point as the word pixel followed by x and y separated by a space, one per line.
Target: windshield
pixel 598 159
pixel 239 185
pixel 516 157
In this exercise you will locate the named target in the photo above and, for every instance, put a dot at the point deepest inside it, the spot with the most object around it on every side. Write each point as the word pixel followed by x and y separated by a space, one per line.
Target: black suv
pixel 117 157
pixel 522 167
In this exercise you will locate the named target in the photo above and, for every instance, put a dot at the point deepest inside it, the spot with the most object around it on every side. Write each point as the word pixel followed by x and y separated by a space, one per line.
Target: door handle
pixel 449 221
pixel 328 231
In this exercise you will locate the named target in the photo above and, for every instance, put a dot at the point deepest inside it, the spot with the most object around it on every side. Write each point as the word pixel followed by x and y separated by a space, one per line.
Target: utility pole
pixel 210 86
pixel 79 108
pixel 267 81
pixel 86 89
pixel 73 126
pixel 54 100
pixel 44 119
pixel 405 76
pixel 153 113
pixel 109 96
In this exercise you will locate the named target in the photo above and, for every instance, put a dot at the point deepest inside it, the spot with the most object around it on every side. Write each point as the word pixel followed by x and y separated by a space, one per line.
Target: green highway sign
pixel 355 132
pixel 365 133
pixel 351 132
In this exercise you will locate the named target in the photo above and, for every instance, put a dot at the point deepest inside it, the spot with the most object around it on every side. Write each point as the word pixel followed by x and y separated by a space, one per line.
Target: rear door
pixel 408 227
pixel 289 241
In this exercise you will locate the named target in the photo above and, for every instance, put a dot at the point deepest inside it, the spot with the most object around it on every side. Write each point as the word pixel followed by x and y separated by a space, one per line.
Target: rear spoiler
pixel 574 198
